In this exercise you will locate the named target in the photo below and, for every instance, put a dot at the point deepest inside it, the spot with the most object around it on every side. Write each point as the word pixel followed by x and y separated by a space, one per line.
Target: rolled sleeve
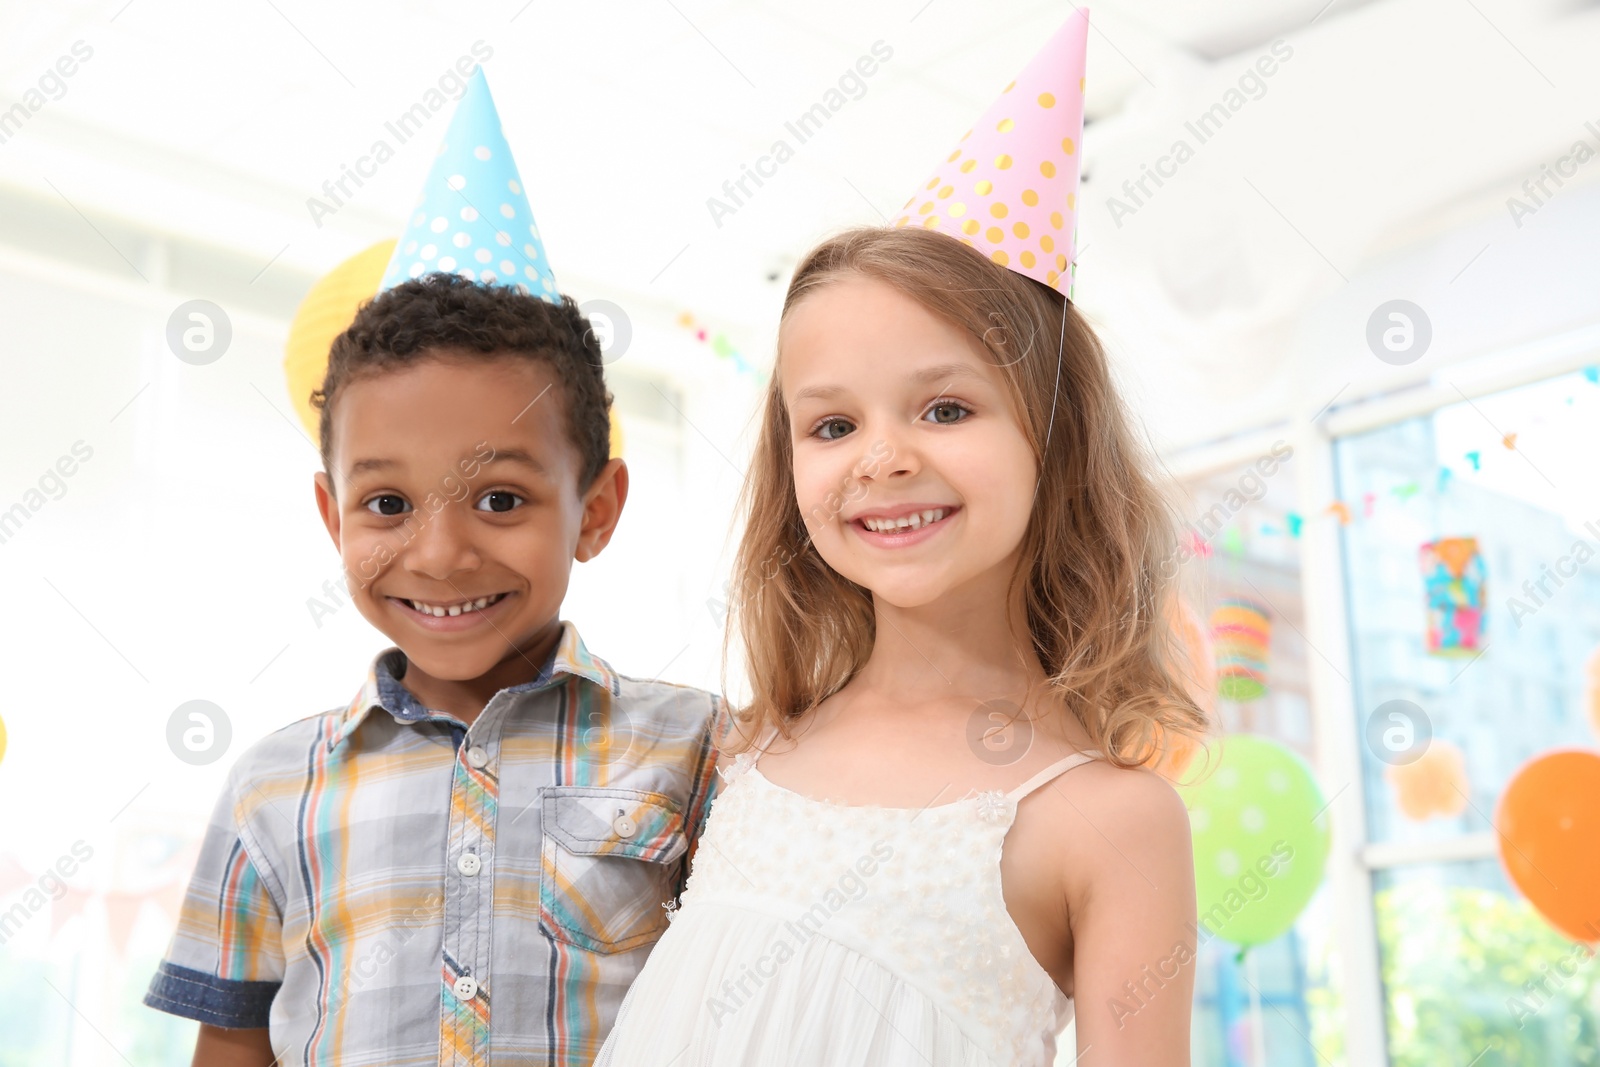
pixel 225 963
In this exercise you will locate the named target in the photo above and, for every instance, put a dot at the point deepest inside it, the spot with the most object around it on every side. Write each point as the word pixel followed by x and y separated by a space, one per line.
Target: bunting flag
pixel 68 907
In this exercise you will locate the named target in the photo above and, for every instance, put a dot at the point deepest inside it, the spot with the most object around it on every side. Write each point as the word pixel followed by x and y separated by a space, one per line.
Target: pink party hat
pixel 1010 189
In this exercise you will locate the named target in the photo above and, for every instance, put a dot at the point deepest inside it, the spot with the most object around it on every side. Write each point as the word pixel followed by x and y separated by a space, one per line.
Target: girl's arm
pixel 1132 908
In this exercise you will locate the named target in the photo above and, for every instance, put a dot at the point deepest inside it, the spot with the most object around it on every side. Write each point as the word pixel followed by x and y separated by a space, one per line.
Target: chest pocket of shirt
pixel 609 864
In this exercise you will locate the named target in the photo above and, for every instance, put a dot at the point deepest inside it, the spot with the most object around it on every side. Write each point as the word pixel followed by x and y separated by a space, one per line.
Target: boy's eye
pixel 832 429
pixel 948 411
pixel 499 500
pixel 387 504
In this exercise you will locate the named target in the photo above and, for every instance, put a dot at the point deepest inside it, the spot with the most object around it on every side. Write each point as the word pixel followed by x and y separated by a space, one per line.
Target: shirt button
pixel 477 755
pixel 469 864
pixel 466 987
pixel 624 826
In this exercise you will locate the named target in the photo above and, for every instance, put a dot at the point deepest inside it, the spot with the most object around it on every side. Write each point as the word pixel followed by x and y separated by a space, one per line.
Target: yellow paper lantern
pixel 326 312
pixel 616 433
pixel 323 315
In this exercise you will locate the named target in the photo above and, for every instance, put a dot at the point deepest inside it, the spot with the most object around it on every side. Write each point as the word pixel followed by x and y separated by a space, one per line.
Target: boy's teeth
pixel 454 609
pixel 914 521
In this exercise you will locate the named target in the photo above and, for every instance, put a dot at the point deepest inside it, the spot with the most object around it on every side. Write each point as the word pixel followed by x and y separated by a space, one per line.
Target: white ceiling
pixel 1394 122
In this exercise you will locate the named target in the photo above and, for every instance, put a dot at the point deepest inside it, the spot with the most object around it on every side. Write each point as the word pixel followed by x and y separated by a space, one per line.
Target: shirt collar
pixel 384 689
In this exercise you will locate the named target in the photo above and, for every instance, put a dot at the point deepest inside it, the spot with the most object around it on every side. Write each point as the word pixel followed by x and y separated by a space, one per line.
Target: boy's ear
pixel 327 506
pixel 602 507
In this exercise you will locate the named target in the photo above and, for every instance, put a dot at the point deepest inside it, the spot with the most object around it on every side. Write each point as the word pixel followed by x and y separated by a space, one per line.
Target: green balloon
pixel 1260 839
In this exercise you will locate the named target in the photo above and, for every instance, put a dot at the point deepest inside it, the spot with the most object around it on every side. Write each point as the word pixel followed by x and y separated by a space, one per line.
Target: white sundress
pixel 818 934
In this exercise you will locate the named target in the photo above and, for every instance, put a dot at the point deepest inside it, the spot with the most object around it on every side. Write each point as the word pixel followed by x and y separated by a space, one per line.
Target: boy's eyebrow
pixel 515 455
pixel 938 372
pixel 506 455
pixel 361 466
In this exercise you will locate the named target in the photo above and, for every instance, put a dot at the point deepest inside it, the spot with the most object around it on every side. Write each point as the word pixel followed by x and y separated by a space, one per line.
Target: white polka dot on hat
pixel 473 217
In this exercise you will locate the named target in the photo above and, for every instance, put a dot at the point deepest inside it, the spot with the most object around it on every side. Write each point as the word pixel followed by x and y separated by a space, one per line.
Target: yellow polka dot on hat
pixel 1020 164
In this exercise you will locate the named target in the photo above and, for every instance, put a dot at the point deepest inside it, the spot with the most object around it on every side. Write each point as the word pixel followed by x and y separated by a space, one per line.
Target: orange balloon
pixel 1548 820
pixel 1199 674
pixel 1434 784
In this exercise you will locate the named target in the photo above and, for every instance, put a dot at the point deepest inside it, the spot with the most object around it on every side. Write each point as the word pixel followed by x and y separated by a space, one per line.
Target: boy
pixel 470 863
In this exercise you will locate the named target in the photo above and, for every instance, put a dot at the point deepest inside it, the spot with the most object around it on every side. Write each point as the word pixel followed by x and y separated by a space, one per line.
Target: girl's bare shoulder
pixel 1117 824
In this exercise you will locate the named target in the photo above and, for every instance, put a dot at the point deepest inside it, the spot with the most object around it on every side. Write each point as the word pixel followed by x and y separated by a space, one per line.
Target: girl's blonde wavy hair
pixel 1094 554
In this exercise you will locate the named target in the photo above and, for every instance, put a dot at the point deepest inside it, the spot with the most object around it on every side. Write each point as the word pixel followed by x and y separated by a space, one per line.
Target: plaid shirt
pixel 371 884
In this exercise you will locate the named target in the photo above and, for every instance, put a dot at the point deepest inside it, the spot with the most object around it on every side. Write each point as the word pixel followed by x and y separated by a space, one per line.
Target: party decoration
pixel 1592 689
pixel 1434 784
pixel 122 914
pixel 324 314
pixel 1242 632
pixel 1548 827
pixel 13 875
pixel 1197 669
pixel 1010 188
pixel 1453 580
pixel 721 347
pixel 68 906
pixel 1260 840
pixel 473 217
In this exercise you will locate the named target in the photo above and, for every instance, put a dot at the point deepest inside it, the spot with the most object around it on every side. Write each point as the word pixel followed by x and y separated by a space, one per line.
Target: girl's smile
pixel 901 527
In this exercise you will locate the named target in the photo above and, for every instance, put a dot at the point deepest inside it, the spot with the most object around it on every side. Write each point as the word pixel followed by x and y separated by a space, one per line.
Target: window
pixel 1503 488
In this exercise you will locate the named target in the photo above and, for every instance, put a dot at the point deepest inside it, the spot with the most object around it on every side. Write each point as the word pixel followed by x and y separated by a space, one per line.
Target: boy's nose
pixel 442 545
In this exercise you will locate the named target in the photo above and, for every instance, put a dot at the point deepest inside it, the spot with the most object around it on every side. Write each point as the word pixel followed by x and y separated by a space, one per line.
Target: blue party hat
pixel 473 218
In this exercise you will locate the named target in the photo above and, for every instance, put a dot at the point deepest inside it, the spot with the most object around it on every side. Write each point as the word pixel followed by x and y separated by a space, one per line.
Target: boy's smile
pixel 458 514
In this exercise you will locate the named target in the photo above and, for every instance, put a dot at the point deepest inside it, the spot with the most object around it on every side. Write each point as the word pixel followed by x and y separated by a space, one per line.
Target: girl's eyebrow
pixel 817 392
pixel 945 372
pixel 938 372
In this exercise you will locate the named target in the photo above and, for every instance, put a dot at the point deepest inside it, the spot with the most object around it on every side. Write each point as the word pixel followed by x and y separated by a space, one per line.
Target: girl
pixel 935 833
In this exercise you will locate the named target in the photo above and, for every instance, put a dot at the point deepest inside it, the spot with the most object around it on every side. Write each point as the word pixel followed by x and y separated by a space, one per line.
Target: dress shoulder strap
pixel 1052 772
pixel 758 748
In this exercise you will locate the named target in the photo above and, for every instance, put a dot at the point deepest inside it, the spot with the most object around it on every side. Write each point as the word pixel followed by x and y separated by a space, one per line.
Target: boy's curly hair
pixel 446 314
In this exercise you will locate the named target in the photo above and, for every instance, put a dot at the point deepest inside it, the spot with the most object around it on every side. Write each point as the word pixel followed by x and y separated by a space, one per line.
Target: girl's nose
pixel 890 454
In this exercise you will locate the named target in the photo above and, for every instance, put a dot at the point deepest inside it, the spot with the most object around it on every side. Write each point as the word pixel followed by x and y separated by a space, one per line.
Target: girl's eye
pixel 948 412
pixel 500 500
pixel 832 429
pixel 387 504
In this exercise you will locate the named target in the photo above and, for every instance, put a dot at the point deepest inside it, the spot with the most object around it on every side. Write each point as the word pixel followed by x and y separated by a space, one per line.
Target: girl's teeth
pixel 914 521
